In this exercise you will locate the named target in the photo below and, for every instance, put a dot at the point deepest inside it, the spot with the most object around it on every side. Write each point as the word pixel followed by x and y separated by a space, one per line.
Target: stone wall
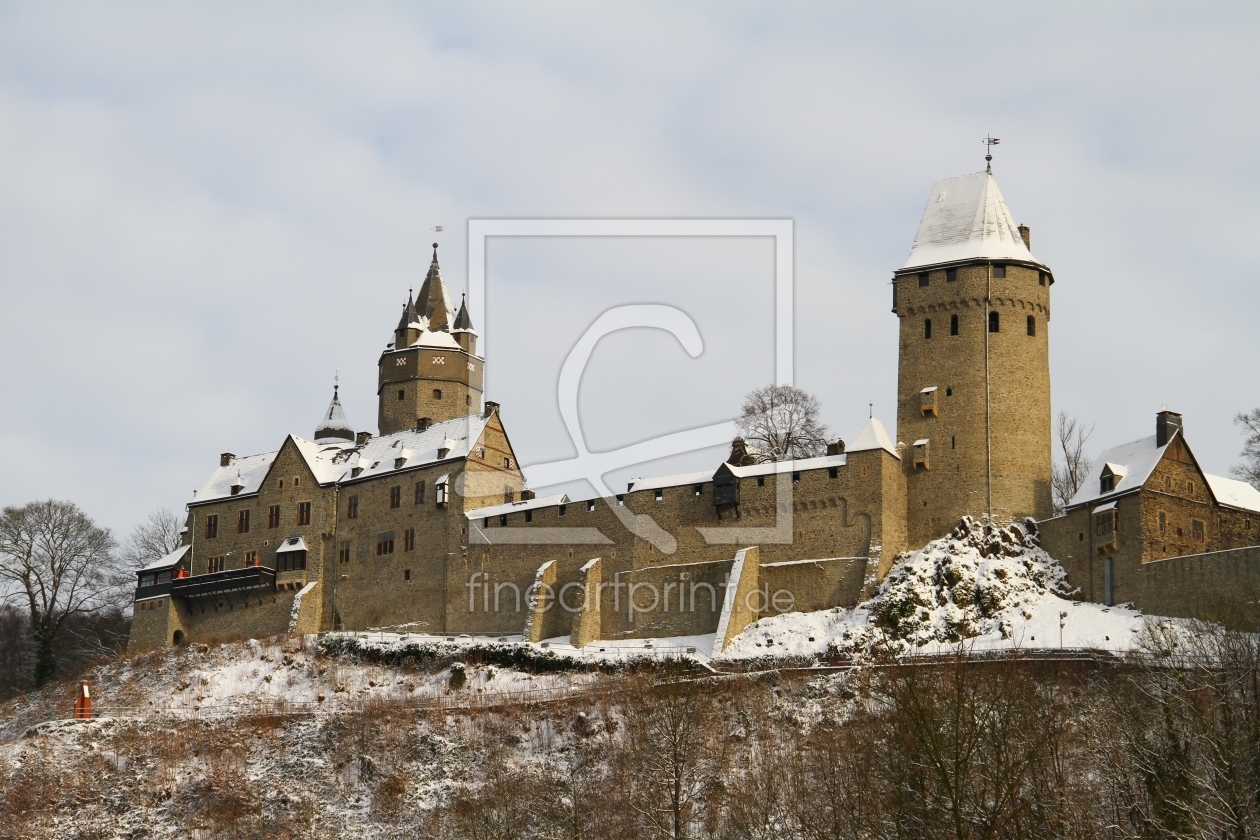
pixel 1220 585
pixel 810 585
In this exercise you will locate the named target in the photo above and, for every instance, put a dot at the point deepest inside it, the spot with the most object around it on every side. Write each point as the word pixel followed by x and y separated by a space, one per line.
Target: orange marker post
pixel 83 703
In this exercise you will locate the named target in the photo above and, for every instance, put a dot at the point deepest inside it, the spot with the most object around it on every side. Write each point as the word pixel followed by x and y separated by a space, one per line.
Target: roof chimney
pixel 226 459
pixel 362 438
pixel 836 447
pixel 1167 423
pixel 491 408
pixel 423 423
pixel 1026 235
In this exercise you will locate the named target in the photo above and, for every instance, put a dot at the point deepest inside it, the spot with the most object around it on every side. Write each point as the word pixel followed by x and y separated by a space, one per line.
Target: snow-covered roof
pixel 872 436
pixel 1136 460
pixel 1234 493
pixel 292 544
pixel 167 561
pixel 517 507
pixel 966 218
pixel 662 481
pixel 333 460
pixel 334 423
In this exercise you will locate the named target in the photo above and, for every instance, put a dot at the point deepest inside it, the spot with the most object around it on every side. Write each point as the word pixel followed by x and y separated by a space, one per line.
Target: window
pixel 953 325
pixel 507 463
pixel 503 520
pixel 1196 530
pixel 273 516
pixel 1163 522
pixel 660 495
pixel 951 274
pixel 923 280
pixel 385 543
pixel 1189 486
pixel 304 513
pixel 590 505
pixel 1105 523
pixel 242 522
pixel 1041 277
pixel 439 492
pixel 419 492
pixel 352 507
pixel 833 472
pixel 761 481
pixel 508 495
pixel 696 490
pixel 796 478
pixel 993 322
pixel 467 399
pixel 251 558
pixel 927 327
pixel 395 497
pixel 529 516
pixel 1107 483
pixel 485 522
pixel 290 561
pixel 999 272
pixel 343 552
pixel 409 539
pixel 949 392
pixel 296 481
pixel 621 500
pixel 1032 325
pixel 214 564
pixel 212 527
pixel 437 393
pixel 560 509
pixel 402 395
pixel 953 441
pixel 1168 483
pixel 406 574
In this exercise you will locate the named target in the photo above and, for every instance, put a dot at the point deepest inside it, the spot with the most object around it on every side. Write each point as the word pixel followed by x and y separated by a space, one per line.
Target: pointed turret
pixel 463 331
pixel 334 425
pixel 462 321
pixel 434 302
pixel 408 330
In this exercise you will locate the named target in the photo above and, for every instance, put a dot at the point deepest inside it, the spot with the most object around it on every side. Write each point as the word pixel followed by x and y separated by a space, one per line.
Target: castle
pixel 428 525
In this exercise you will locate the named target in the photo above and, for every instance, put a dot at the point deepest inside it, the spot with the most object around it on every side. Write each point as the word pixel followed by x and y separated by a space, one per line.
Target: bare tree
pixel 62 564
pixel 1066 477
pixel 1249 469
pixel 782 422
pixel 152 539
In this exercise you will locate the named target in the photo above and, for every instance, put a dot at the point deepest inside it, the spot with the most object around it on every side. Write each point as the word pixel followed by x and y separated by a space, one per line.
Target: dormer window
pixel 1112 474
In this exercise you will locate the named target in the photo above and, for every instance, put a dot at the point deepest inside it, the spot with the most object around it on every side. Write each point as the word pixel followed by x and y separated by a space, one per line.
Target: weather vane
pixel 438 229
pixel 989 142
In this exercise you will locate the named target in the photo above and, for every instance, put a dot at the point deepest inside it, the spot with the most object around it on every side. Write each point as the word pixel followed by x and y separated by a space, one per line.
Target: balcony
pixel 218 583
pixel 155 590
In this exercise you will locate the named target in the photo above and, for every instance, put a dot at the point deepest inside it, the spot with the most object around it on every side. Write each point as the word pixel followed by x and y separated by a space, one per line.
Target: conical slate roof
pixel 872 436
pixel 966 218
pixel 334 423
pixel 409 313
pixel 434 302
pixel 462 321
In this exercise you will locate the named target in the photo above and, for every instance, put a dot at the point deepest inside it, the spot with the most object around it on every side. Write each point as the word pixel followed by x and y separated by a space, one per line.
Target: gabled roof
pixel 167 561
pixel 872 436
pixel 1136 459
pixel 966 218
pixel 1234 493
pixel 332 460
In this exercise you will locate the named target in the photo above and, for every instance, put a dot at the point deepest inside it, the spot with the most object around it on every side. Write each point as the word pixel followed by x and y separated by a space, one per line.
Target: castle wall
pixel 956 479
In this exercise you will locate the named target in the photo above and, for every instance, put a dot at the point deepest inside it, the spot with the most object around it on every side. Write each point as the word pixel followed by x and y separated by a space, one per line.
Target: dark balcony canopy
pixel 231 580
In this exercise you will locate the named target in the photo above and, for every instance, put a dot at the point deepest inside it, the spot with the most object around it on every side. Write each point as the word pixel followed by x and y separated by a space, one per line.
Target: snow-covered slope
pixel 984 586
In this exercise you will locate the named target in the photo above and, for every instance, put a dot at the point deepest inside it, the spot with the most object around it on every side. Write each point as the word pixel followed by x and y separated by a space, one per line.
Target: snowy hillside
pixel 986 587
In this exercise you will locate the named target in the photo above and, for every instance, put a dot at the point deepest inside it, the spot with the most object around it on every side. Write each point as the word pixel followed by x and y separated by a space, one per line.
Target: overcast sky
pixel 208 209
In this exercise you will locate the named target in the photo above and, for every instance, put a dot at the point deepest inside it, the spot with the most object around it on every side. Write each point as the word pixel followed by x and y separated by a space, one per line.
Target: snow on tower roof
pixel 872 436
pixel 334 423
pixel 966 218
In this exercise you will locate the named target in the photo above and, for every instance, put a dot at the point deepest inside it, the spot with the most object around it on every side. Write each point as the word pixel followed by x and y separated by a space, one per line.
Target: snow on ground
pixel 983 586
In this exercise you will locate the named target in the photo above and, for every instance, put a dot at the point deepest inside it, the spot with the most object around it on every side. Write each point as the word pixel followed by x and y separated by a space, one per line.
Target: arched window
pixel 437 393
pixel 953 325
pixel 1032 325
pixel 927 328
pixel 993 322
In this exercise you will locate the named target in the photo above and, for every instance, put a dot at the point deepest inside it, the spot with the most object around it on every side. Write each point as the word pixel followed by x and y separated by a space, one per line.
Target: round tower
pixel 973 382
pixel 431 372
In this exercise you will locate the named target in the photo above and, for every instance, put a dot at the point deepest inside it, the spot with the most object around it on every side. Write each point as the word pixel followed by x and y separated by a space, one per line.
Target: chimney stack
pixel 491 408
pixel 1026 235
pixel 836 447
pixel 362 438
pixel 1167 423
pixel 423 423
pixel 226 459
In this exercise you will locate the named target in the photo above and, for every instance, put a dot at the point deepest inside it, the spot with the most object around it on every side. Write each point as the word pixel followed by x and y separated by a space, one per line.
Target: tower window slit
pixel 953 325
pixel 927 327
pixel 1032 325
pixel 993 322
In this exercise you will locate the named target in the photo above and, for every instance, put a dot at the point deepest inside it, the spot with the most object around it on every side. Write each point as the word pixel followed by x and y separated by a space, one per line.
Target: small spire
pixel 462 321
pixel 334 424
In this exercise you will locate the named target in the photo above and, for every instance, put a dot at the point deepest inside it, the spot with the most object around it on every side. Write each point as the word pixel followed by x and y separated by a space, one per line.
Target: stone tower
pixel 431 372
pixel 973 381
